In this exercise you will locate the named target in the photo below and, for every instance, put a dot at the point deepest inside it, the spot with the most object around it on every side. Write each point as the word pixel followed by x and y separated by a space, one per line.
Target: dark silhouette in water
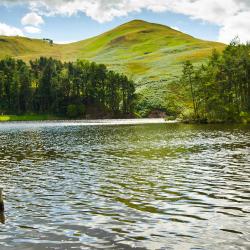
pixel 2 217
pixel 1 201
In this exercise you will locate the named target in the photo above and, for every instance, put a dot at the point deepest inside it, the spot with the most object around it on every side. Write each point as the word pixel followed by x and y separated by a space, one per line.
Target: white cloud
pixel 238 25
pixel 6 30
pixel 32 30
pixel 232 16
pixel 32 18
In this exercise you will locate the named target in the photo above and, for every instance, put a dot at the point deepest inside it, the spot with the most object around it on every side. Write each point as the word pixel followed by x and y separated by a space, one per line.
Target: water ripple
pixel 168 186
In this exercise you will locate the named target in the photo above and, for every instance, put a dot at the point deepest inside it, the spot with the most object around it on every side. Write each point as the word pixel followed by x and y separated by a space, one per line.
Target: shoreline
pixel 50 119
pixel 94 122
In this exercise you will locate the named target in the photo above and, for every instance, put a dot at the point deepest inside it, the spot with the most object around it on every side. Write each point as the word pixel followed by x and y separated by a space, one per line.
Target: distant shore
pixel 63 121
pixel 103 121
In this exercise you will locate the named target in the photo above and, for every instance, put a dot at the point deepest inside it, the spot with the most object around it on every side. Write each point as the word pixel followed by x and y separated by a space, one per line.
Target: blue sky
pixel 73 20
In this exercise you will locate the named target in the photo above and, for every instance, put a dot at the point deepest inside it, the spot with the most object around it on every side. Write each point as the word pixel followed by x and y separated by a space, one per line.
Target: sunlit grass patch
pixel 5 118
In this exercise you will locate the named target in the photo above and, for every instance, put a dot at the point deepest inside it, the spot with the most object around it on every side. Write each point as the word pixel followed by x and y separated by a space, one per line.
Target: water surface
pixel 159 186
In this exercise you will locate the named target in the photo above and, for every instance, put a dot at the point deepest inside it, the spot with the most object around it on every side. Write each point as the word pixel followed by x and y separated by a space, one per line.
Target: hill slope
pixel 143 50
pixel 151 54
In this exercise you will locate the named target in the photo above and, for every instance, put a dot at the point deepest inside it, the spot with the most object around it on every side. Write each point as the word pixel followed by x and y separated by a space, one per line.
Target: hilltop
pixel 149 53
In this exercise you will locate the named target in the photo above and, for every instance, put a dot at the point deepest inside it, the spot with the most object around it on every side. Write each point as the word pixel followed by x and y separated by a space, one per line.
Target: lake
pixel 76 185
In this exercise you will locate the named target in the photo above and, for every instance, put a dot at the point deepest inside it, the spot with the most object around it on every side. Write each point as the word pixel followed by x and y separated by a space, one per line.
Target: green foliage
pixel 219 90
pixel 81 109
pixel 245 117
pixel 47 85
pixel 72 111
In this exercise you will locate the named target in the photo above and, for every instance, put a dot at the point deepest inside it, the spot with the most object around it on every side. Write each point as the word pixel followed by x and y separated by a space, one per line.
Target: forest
pixel 48 86
pixel 217 91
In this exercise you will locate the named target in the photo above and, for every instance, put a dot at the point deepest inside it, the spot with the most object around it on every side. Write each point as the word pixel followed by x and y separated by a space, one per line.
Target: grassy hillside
pixel 27 48
pixel 145 51
pixel 151 54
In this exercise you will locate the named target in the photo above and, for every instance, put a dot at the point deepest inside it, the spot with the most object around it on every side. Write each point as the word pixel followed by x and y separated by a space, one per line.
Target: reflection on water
pixel 167 186
pixel 2 217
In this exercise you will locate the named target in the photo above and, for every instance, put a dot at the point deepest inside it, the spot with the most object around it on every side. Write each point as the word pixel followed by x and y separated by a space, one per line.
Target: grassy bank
pixel 6 118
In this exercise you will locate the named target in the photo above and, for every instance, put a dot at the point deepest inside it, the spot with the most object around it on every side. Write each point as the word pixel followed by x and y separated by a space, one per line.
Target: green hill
pixel 151 54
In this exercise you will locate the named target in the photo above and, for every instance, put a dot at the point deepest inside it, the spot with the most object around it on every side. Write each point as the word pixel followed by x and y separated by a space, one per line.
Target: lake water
pixel 154 186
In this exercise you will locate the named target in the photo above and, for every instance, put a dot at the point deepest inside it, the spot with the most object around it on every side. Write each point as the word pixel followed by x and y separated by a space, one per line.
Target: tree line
pixel 50 86
pixel 220 89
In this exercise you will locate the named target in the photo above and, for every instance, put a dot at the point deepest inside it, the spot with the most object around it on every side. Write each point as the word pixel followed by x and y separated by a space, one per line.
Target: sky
pixel 73 20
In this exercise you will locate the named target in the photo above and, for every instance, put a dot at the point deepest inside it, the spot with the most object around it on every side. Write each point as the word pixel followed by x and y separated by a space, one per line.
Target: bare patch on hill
pixel 146 31
pixel 120 39
pixel 3 40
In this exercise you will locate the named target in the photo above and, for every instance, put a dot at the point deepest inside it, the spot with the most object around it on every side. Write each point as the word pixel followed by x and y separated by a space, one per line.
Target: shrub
pixel 81 110
pixel 72 111
pixel 245 117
